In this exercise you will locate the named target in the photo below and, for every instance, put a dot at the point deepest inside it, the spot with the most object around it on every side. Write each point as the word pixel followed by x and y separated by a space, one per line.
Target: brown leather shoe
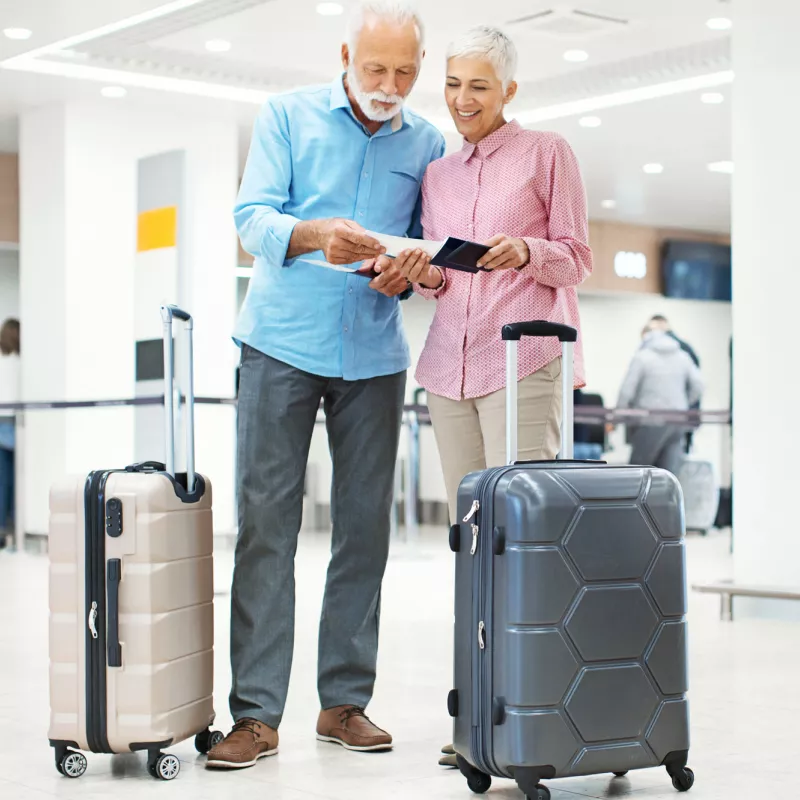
pixel 244 745
pixel 350 727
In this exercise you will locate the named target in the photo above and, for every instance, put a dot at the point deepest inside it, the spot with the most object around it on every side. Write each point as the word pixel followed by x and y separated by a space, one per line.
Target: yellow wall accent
pixel 157 229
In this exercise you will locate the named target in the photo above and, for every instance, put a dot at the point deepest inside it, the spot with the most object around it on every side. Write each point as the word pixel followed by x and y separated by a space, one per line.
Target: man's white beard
pixel 366 100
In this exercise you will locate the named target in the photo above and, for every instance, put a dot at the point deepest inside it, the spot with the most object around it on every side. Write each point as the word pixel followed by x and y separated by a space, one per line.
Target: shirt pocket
pixel 399 189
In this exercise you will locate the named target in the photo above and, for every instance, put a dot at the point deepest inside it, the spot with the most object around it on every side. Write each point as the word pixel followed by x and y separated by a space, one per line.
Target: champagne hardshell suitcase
pixel 570 613
pixel 132 604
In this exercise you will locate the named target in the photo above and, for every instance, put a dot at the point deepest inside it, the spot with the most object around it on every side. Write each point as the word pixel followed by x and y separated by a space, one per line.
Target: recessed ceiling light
pixel 21 34
pixel 725 167
pixel 609 204
pixel 330 9
pixel 114 92
pixel 576 56
pixel 713 98
pixel 218 46
pixel 653 169
pixel 590 122
pixel 720 24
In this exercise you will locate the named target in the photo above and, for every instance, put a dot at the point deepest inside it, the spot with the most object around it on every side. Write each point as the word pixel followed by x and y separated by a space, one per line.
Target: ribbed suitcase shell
pixel 579 580
pixel 162 693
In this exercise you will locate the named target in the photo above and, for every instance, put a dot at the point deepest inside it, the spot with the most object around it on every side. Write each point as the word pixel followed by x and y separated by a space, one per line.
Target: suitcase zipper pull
pixel 481 635
pixel 475 532
pixel 473 511
pixel 93 620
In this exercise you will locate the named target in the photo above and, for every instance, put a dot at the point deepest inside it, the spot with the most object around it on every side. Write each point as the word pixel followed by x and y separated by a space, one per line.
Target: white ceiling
pixel 282 44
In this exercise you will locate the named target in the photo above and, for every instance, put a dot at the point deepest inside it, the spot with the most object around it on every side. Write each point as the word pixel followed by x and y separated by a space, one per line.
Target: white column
pixel 766 285
pixel 78 176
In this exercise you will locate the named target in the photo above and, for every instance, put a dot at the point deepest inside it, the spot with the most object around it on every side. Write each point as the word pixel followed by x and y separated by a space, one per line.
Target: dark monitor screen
pixel 697 270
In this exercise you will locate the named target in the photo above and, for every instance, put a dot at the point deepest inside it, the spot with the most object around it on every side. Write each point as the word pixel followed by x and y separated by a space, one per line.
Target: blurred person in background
pixel 661 323
pixel 661 376
pixel 9 393
pixel 520 192
pixel 326 164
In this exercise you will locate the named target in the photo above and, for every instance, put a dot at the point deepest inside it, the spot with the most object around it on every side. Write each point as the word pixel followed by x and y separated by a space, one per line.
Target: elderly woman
pixel 520 192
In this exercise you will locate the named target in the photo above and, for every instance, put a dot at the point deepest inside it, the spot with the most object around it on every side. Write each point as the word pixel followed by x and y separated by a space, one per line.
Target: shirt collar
pixel 494 141
pixel 339 99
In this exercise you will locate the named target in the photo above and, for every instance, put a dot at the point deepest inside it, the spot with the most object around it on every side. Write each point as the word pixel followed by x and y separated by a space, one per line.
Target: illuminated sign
pixel 630 265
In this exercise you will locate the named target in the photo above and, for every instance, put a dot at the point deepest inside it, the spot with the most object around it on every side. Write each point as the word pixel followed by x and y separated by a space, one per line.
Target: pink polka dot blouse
pixel 527 185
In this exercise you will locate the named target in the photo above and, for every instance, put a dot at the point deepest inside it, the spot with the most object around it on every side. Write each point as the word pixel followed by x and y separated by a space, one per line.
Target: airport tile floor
pixel 745 699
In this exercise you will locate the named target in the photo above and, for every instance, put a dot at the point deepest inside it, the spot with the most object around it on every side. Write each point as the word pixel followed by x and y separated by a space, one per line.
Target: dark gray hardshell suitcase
pixel 570 614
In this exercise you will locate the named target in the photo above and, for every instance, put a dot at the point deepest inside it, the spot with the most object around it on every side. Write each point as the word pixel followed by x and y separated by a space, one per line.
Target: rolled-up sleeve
pixel 564 258
pixel 265 231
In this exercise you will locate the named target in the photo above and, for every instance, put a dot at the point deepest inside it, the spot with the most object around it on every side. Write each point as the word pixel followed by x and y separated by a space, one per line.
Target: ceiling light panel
pixel 567 24
pixel 724 167
pixel 330 9
pixel 218 45
pixel 18 34
pixel 720 24
pixel 576 56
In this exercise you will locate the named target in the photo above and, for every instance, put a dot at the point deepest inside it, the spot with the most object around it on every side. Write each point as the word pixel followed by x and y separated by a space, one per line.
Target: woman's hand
pixel 415 265
pixel 506 253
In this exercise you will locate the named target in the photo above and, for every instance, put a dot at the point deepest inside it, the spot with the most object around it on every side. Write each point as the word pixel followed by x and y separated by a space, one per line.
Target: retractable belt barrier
pixel 583 414
pixel 415 415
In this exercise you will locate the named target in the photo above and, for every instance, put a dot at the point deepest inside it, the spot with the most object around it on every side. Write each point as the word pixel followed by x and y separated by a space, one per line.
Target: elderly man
pixel 325 165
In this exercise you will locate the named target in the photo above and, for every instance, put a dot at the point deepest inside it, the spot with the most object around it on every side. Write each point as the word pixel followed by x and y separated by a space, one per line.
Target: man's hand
pixel 506 253
pixel 390 281
pixel 345 242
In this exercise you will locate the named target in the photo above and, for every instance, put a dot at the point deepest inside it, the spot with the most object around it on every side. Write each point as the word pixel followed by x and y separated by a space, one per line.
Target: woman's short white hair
pixel 399 12
pixel 490 43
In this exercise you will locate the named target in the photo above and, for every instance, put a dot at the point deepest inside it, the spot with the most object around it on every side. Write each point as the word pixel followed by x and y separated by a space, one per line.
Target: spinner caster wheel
pixel 479 783
pixel 167 767
pixel 684 780
pixel 542 793
pixel 207 740
pixel 620 774
pixel 72 764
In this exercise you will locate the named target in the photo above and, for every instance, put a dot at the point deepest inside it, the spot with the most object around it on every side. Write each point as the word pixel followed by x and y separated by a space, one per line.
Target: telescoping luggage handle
pixel 168 313
pixel 567 336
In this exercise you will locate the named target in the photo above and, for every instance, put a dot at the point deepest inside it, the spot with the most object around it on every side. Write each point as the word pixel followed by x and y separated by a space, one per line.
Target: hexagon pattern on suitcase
pixel 586 638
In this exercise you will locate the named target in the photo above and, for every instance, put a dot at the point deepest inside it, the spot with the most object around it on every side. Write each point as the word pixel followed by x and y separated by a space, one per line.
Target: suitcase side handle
pixel 168 313
pixel 567 335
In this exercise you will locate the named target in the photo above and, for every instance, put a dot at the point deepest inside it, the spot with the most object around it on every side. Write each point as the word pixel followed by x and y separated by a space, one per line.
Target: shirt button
pixel 360 213
pixel 350 290
pixel 366 174
pixel 345 328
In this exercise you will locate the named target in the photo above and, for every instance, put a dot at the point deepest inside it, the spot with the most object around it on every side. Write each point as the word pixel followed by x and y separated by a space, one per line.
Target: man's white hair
pixel 399 12
pixel 492 44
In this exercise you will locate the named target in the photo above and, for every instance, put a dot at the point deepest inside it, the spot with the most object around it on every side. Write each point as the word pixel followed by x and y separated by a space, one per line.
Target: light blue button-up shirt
pixel 310 158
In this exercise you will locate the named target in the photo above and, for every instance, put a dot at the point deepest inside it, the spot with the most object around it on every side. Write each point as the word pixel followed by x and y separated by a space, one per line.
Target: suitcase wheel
pixel 165 767
pixel 684 780
pixel 620 774
pixel 72 764
pixel 207 740
pixel 477 781
pixel 479 784
pixel 542 793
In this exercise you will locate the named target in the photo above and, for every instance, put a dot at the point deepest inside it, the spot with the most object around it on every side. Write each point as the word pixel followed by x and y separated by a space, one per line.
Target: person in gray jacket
pixel 661 376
